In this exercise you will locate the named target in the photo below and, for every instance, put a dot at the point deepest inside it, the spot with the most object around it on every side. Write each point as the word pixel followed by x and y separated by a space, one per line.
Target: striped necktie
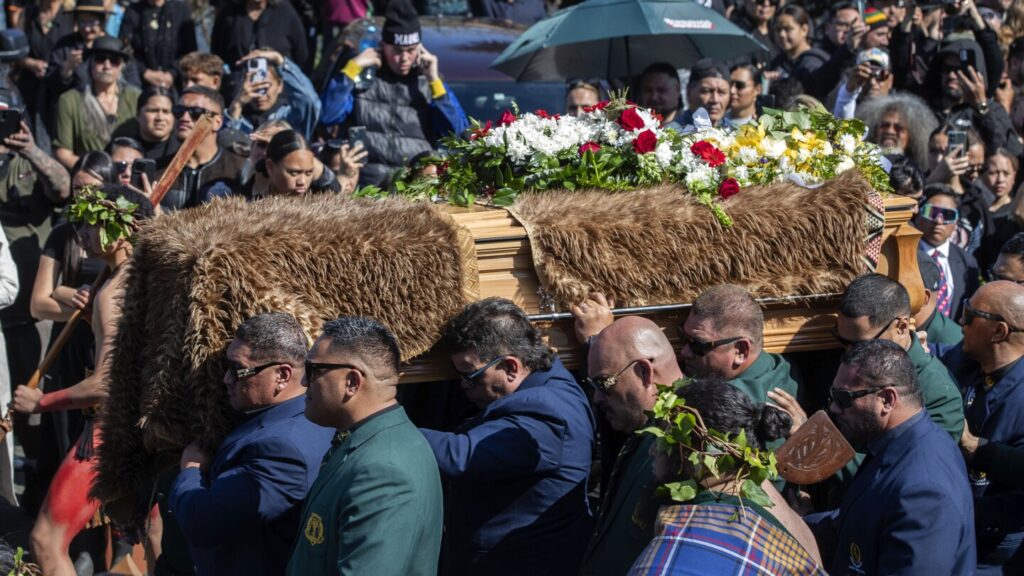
pixel 944 296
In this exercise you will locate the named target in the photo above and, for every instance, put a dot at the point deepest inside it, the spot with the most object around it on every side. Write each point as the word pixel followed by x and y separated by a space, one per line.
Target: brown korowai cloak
pixel 198 274
pixel 660 247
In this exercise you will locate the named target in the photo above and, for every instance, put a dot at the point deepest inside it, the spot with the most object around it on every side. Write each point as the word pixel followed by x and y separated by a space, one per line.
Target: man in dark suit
pixel 909 508
pixel 376 506
pixel 627 361
pixel 937 220
pixel 517 471
pixel 988 368
pixel 239 511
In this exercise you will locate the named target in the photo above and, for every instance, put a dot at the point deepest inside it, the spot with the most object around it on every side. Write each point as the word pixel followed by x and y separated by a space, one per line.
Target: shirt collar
pixel 877 446
pixel 942 248
pixel 345 434
pixel 993 377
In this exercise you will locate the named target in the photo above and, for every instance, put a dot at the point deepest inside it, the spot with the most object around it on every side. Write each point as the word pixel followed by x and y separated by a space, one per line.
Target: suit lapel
pixel 622 481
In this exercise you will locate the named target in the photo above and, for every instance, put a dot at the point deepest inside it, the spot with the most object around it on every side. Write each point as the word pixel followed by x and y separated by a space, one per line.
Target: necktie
pixel 944 295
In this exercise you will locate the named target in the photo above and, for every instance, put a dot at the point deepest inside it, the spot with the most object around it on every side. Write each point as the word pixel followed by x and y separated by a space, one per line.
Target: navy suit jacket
pixel 998 415
pixel 517 478
pixel 243 517
pixel 965 273
pixel 908 510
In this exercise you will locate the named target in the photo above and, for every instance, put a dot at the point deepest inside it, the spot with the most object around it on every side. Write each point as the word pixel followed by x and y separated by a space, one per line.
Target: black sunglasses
pixel 312 367
pixel 473 376
pixel 845 398
pixel 969 314
pixel 994 276
pixel 114 59
pixel 121 167
pixel 739 84
pixel 195 112
pixel 605 383
pixel 239 372
pixel 847 342
pixel 700 348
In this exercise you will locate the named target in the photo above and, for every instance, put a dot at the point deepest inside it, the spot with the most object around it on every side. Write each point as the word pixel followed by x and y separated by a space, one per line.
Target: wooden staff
pixel 202 129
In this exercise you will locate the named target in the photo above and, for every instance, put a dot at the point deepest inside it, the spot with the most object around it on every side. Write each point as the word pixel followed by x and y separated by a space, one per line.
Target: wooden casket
pixel 506 269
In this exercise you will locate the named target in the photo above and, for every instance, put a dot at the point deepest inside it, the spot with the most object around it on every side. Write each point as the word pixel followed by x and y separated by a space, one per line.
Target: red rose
pixel 713 156
pixel 542 113
pixel 507 117
pixel 728 187
pixel 599 106
pixel 645 142
pixel 589 147
pixel 630 119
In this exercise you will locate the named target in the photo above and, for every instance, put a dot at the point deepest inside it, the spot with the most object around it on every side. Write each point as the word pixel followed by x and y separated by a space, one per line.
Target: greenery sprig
pixel 21 567
pixel 681 433
pixel 114 219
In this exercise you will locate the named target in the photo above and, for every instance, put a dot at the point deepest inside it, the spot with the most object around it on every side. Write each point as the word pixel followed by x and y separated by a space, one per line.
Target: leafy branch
pixel 114 219
pixel 712 455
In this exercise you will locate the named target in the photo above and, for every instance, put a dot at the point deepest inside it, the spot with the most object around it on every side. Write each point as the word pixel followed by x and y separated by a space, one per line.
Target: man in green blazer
pixel 376 506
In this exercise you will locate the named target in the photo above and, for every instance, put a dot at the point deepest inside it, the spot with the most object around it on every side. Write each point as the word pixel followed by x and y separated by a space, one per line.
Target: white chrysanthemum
pixel 665 154
pixel 742 173
pixel 747 155
pixel 847 143
pixel 702 177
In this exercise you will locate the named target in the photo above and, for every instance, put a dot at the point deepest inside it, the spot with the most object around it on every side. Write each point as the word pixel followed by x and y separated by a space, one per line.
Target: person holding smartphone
pixel 274 89
pixel 406 109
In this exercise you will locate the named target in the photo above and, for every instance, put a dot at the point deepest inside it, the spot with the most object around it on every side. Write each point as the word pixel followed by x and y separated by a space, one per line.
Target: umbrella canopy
pixel 615 38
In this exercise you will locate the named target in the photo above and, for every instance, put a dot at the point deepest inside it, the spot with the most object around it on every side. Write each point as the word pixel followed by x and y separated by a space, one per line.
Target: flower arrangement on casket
pixel 617 146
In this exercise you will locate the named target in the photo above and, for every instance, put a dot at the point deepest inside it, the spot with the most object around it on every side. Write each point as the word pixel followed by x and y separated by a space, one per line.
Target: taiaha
pixel 202 128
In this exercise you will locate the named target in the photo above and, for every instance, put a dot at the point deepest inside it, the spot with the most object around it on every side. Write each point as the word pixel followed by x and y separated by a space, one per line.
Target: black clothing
pixel 56 84
pixel 278 27
pixel 199 185
pixel 151 150
pixel 817 70
pixel 41 43
pixel 396 113
pixel 744 21
pixel 1001 226
pixel 159 37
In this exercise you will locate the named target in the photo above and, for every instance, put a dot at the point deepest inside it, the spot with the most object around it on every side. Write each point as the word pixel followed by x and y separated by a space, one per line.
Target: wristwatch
pixel 982 107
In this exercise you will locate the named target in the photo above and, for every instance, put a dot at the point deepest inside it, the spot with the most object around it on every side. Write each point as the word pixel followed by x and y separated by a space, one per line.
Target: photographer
pixel 406 109
pixel 285 94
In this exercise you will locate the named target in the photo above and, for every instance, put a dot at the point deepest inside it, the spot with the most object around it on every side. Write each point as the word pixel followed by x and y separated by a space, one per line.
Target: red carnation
pixel 713 156
pixel 481 132
pixel 630 119
pixel 589 147
pixel 645 142
pixel 507 117
pixel 728 187
pixel 542 113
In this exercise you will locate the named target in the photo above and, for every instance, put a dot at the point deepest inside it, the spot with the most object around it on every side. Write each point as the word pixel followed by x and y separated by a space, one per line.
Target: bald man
pixel 626 362
pixel 988 369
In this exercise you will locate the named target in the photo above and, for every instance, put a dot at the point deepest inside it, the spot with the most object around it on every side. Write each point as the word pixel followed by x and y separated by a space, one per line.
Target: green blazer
pixel 942 330
pixel 625 525
pixel 939 391
pixel 769 371
pixel 376 506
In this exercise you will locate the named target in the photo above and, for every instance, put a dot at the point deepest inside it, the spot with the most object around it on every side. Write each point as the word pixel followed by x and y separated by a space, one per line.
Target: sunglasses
pixel 194 112
pixel 121 167
pixel 845 398
pixel 766 2
pixel 847 342
pixel 472 378
pixel 606 383
pixel 312 367
pixel 114 59
pixel 700 348
pixel 933 213
pixel 969 314
pixel 996 276
pixel 239 372
pixel 739 84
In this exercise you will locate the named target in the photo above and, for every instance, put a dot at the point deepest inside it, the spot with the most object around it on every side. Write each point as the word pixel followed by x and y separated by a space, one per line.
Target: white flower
pixel 702 177
pixel 847 144
pixel 747 155
pixel 826 149
pixel 845 164
pixel 773 148
pixel 742 174
pixel 664 154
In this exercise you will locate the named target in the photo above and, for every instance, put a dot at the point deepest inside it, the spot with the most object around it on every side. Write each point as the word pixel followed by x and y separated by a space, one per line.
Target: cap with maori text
pixel 401 24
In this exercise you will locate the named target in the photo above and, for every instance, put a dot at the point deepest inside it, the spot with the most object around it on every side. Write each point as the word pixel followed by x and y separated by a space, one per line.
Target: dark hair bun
pixel 771 423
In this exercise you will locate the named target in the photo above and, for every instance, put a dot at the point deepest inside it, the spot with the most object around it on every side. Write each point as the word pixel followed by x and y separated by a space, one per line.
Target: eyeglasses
pixel 239 372
pixel 739 84
pixel 845 398
pixel 605 383
pixel 195 112
pixel 847 342
pixel 100 58
pixel 121 167
pixel 472 377
pixel 974 170
pixel 996 276
pixel 700 348
pixel 969 314
pixel 934 213
pixel 312 367
pixel 766 2
pixel 894 126
pixel 881 74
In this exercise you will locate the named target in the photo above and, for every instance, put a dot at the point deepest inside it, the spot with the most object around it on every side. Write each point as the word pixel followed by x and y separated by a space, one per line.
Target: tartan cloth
pixel 717 539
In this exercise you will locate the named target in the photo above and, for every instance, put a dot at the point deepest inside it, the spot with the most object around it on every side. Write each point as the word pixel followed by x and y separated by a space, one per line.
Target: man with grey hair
pixel 724 336
pixel 376 506
pixel 909 509
pixel 239 509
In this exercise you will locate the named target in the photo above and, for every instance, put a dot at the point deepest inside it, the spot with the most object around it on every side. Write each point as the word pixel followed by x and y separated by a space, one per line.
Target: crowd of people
pixel 549 473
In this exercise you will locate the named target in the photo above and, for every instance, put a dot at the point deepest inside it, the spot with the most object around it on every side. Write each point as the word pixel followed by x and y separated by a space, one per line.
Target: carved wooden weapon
pixel 816 451
pixel 202 128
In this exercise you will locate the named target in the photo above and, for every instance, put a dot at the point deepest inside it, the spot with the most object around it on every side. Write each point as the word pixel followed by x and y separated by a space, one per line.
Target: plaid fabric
pixel 707 540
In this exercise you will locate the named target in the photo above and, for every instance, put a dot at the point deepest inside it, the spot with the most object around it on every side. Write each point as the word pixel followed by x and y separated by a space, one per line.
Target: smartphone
pixel 143 166
pixel 967 59
pixel 10 121
pixel 258 71
pixel 357 134
pixel 956 138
